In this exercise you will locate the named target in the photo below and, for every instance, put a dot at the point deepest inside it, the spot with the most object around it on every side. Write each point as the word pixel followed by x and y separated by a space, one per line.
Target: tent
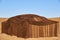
pixel 30 26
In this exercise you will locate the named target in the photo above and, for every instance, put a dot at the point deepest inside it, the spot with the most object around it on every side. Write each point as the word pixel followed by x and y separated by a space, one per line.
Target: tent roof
pixel 32 19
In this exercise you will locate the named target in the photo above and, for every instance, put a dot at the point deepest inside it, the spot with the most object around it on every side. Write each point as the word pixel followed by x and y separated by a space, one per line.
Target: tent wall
pixel 43 31
pixel 4 28
pixel 29 30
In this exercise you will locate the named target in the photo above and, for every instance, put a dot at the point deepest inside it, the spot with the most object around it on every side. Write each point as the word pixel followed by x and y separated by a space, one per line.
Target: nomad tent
pixel 30 26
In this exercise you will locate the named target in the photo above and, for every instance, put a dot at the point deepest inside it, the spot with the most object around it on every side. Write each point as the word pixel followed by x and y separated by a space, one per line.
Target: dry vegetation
pixel 7 37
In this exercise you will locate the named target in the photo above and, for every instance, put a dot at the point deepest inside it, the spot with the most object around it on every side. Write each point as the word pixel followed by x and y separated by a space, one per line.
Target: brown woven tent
pixel 30 25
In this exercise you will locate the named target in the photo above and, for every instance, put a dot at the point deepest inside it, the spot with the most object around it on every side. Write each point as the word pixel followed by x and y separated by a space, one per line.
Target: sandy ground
pixel 8 37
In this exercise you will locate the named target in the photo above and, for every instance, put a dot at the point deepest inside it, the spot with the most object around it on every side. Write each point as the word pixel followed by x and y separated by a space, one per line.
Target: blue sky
pixel 46 8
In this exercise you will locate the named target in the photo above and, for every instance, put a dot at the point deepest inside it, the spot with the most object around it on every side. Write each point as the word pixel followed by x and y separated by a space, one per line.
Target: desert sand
pixel 4 36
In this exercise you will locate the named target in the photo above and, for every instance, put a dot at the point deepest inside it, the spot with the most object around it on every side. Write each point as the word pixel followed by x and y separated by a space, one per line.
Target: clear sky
pixel 46 8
